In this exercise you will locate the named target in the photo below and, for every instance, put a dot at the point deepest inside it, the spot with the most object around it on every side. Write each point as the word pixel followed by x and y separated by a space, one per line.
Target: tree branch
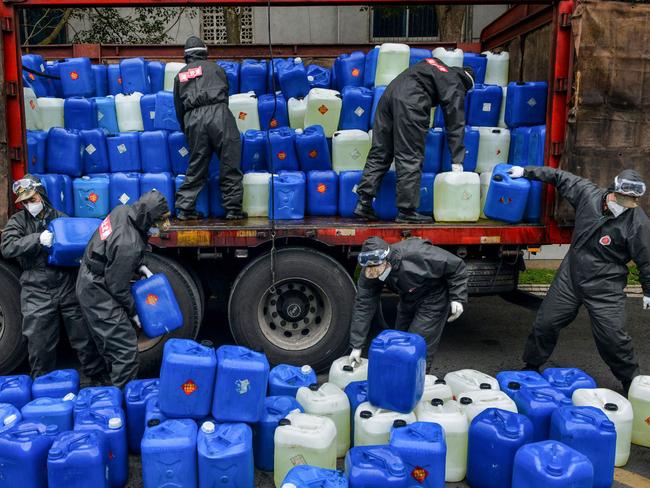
pixel 57 30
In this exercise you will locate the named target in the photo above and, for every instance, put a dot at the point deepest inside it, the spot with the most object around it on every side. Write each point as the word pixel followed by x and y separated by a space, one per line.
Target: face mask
pixel 384 275
pixel 34 208
pixel 616 208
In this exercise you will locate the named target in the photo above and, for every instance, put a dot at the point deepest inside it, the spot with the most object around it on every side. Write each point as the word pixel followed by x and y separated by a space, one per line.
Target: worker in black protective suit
pixel 400 128
pixel 201 102
pixel 431 284
pixel 47 292
pixel 113 257
pixel 610 231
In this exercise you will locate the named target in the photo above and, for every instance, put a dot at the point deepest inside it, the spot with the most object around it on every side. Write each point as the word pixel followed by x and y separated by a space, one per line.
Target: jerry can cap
pixel 55 453
pixel 69 397
pixel 314 387
pixel 440 382
pixel 306 369
pixel 284 422
pixel 611 407
pixel 347 368
pixel 365 414
pixel 208 427
pixel 466 401
pixel 514 385
pixel 114 423
pixel 437 402
pixel 52 429
pixel 485 386
pixel 399 423
pixel 153 422
pixel 9 419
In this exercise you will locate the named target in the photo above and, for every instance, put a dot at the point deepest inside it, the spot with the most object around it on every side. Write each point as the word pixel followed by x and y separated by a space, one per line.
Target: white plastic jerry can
pixel 618 409
pixel 496 72
pixel 329 401
pixel 51 112
pixel 303 439
pixel 473 403
pixel 436 388
pixel 324 109
pixel 493 148
pixel 171 70
pixel 470 380
pixel 457 197
pixel 129 114
pixel 639 397
pixel 244 108
pixel 256 194
pixel 485 179
pixel 342 373
pixel 455 427
pixel 372 425
pixel 449 56
pixel 392 60
pixel 33 119
pixel 502 112
pixel 297 108
pixel 350 150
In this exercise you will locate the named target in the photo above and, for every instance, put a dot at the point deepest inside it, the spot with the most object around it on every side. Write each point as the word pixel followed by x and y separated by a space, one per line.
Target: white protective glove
pixel 46 238
pixel 516 172
pixel 456 311
pixel 646 303
pixel 136 320
pixel 457 168
pixel 355 357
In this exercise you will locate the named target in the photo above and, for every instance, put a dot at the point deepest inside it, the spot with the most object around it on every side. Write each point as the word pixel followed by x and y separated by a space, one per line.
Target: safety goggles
pixel 23 185
pixel 373 258
pixel 629 187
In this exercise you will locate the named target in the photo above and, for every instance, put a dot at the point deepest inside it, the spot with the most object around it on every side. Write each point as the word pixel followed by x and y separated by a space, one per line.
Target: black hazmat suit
pixel 113 256
pixel 593 274
pixel 426 278
pixel 401 123
pixel 47 292
pixel 201 102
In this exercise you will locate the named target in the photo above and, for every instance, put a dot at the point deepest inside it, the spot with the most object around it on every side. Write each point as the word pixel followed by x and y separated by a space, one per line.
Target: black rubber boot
pixel 236 215
pixel 626 386
pixel 183 215
pixel 364 210
pixel 412 216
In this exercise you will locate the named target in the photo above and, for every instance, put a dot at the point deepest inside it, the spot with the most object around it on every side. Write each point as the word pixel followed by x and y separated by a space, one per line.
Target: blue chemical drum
pixel 433 151
pixel 101 79
pixel 56 384
pixel 507 197
pixel 519 146
pixel 272 111
pixel 494 438
pixel 423 450
pixel 568 380
pixel 80 113
pixel 231 68
pixel 350 69
pixel 156 305
pixel 240 388
pixel 114 79
pixel 287 196
pixel 322 193
pixel 124 152
pixel 370 67
pixel 374 466
pixel 154 152
pixel 348 198
pixel 23 454
pixel 50 411
pixel 285 379
pixel 319 77
pixel 106 114
pixel 169 454
pixel 526 103
pixel 161 182
pixel 312 149
pixel 136 394
pixel 156 72
pixel 36 151
pixel 396 370
pixel 484 105
pixel 16 390
pixel 124 188
pixel 95 151
pixel 71 237
pixel 511 382
pixel 281 150
pixel 179 152
pixel 152 414
pixel 64 152
pixel 478 62
pixel 275 409
pixel 252 76
pixel 538 404
pixel 357 108
pixel 134 76
pixel 91 197
pixel 253 157
pixel 77 78
pixel 292 77
pixel 148 112
pixel 551 464
pixel 96 397
pixel 225 454
pixel 187 379
pixel 305 476
pixel 590 432
pixel 77 460
pixel 165 112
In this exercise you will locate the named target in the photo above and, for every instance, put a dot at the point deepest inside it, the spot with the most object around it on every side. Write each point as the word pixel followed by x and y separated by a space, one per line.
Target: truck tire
pixel 13 346
pixel 189 301
pixel 306 320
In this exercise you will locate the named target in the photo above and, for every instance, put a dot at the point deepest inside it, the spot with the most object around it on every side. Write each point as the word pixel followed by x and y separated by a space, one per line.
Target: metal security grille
pixel 418 23
pixel 213 25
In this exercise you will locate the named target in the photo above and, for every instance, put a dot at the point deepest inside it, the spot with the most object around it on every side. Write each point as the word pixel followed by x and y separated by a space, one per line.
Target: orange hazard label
pixel 189 387
pixel 74 75
pixel 282 155
pixel 313 153
pixel 647 421
pixel 31 76
pixel 119 81
pixel 93 197
pixel 274 123
pixel 242 115
pixel 356 72
pixel 323 109
pixel 321 188
pixel 151 299
pixel 419 474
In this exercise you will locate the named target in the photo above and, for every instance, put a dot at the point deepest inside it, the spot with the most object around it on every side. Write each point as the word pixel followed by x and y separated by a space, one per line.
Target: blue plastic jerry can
pixel 95 151
pixel 396 370
pixel 56 384
pixel 77 460
pixel 71 236
pixel 423 450
pixel 166 112
pixel 319 77
pixel 285 379
pixel 16 390
pixel 106 114
pixel 169 455
pixel 9 416
pixel 80 113
pixel 110 423
pixel 433 151
pixel 385 201
pixel 287 196
pixel 551 464
pixel 64 152
pixel 124 152
pixel 23 454
pixel 312 149
pixel 511 382
pixel 519 146
pixel 161 182
pixel 292 78
pixel 179 152
pixel 136 394
pixel 253 76
pixel 526 103
pixel 348 181
pixel 91 197
pixel 275 409
pixel 590 432
pixel 281 150
pixel 322 193
pixel 134 76
pixel 370 466
pixel 53 68
pixel 568 380
pixel 418 54
pixel 253 157
pixel 304 476
pixel 240 388
pixel 225 454
pixel 156 72
pixel 273 111
pixel 68 195
pixel 370 67
pixel 154 152
pixel 350 69
pixel 156 305
pixel 77 78
pixel 203 199
pixel 471 140
pixel 426 193
pixel 536 152
pixel 357 108
pixel 495 435
pixel 36 151
pixel 114 79
pixel 507 197
pixel 187 379
pixel 538 404
pixel 124 188
pixel 95 397
pixel 478 62
pixel 148 111
pixel 50 411
pixel 153 415
pixel 377 92
pixel 484 105
pixel 231 68
pixel 357 393
pixel 35 62
pixel 101 79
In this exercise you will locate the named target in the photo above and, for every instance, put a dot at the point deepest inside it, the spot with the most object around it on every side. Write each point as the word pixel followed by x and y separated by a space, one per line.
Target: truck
pixel 289 285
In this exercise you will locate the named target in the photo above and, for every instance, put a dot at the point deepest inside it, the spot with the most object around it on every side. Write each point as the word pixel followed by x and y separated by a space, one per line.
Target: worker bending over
pixel 610 231
pixel 201 102
pixel 46 291
pixel 402 120
pixel 113 256
pixel 431 284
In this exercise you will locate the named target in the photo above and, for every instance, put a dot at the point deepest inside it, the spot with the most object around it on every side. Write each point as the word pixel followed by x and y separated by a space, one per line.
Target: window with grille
pixel 417 23
pixel 213 25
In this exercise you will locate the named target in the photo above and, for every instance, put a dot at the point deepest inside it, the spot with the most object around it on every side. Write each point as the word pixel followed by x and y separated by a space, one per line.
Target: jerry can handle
pixel 145 271
pixel 9 383
pixel 375 459
pixel 582 417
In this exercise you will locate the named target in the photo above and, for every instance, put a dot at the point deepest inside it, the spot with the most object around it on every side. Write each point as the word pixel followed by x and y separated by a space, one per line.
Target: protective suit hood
pixel 41 191
pixel 150 207
pixel 195 50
